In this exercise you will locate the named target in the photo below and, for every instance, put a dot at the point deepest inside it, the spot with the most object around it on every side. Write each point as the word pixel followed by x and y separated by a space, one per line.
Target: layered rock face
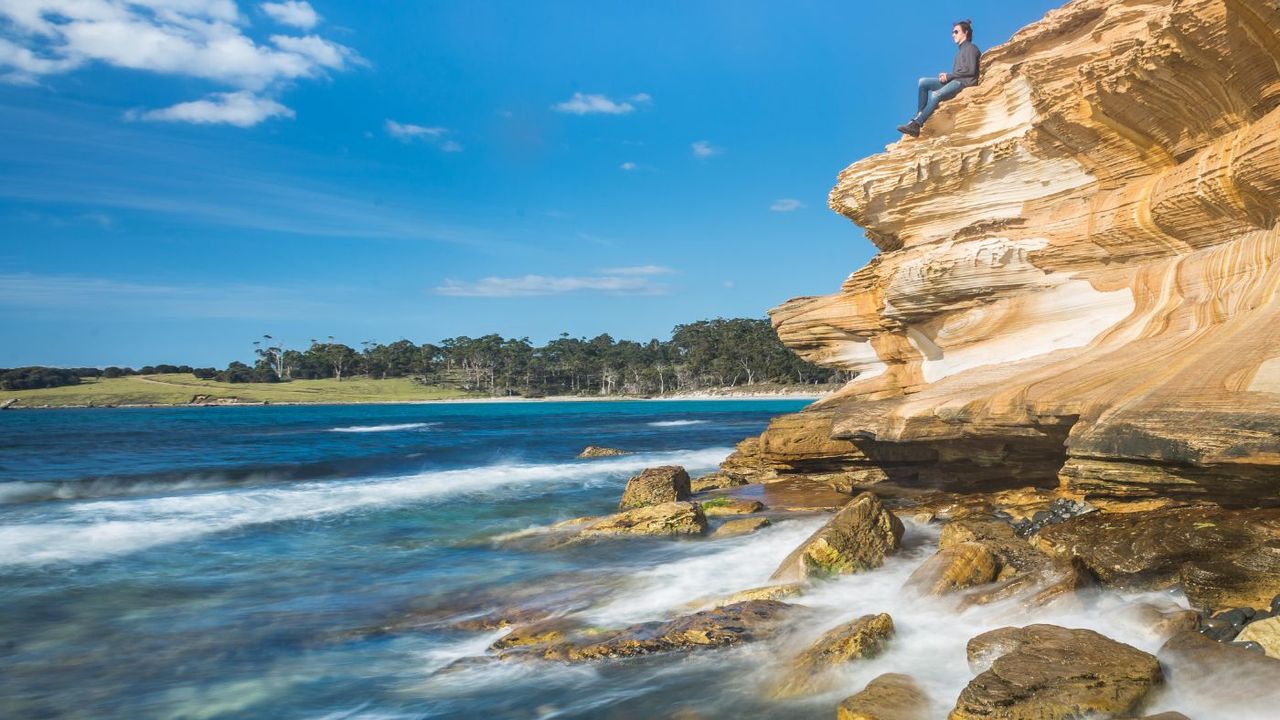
pixel 1077 279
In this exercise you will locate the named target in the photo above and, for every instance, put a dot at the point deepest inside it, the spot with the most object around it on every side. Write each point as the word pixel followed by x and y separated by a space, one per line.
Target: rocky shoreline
pixel 1027 548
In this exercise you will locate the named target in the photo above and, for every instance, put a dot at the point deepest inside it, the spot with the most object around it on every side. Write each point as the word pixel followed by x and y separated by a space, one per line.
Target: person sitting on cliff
pixel 964 73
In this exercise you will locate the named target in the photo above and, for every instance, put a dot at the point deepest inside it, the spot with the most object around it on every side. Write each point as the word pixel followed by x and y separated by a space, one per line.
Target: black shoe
pixel 911 128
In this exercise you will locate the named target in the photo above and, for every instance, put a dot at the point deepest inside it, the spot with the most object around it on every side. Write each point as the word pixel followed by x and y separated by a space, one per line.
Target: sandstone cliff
pixel 1077 278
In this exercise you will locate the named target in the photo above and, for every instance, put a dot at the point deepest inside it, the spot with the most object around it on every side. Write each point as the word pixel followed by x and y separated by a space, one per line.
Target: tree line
pixel 704 354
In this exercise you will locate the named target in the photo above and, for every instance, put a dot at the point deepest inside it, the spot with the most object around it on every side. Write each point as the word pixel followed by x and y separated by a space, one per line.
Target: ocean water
pixel 315 562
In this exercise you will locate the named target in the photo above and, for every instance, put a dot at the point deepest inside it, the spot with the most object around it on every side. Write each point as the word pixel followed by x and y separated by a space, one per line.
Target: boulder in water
pixel 719 480
pixel 720 627
pixel 856 539
pixel 655 486
pixel 596 451
pixel 957 567
pixel 742 526
pixel 892 696
pixel 672 518
pixel 1045 672
pixel 865 637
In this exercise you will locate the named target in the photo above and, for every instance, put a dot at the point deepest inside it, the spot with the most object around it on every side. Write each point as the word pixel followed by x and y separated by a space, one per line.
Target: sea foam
pixel 383 428
pixel 86 531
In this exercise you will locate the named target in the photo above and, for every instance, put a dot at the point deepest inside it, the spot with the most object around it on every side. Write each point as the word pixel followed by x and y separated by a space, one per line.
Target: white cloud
pixel 203 39
pixel 619 281
pixel 407 131
pixel 638 270
pixel 292 12
pixel 584 104
pixel 628 166
pixel 704 149
pixel 242 109
pixel 786 205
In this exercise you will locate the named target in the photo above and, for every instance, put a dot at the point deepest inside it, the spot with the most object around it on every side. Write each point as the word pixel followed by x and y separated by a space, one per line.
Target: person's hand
pixel 942 77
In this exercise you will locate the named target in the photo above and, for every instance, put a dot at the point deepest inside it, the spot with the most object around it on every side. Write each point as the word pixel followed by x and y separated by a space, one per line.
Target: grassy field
pixel 181 388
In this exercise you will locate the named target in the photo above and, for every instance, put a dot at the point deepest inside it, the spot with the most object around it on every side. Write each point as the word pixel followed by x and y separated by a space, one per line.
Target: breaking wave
pixel 675 423
pixel 88 531
pixel 383 428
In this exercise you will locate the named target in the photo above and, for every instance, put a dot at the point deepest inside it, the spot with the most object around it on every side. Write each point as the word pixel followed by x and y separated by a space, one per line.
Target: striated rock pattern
pixel 957 567
pixel 1077 278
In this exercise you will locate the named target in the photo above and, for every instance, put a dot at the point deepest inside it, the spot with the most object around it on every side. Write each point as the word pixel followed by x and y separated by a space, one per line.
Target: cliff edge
pixel 1077 278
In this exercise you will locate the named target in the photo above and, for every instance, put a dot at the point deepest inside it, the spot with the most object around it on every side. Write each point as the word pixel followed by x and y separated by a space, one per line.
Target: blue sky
pixel 178 177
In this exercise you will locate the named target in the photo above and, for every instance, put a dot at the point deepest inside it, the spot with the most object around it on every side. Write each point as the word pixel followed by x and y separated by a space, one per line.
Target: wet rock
pixel 655 486
pixel 720 627
pixel 1219 557
pixel 667 519
pixel 596 451
pixel 715 481
pixel 856 539
pixel 547 632
pixel 1163 622
pixel 1199 666
pixel 891 696
pixel 865 637
pixel 957 567
pixel 1266 633
pixel 1058 511
pixel 1165 716
pixel 743 526
pixel 769 592
pixel 1045 672
pixel 1218 629
pixel 721 506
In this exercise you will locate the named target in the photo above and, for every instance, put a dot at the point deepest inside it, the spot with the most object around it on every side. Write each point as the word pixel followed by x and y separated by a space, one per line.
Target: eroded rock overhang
pixel 1077 279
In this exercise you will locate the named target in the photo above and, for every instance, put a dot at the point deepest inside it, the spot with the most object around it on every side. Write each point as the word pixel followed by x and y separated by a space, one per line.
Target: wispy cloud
pixel 408 131
pixel 610 281
pixel 28 292
pixel 628 166
pixel 638 270
pixel 786 205
pixel 205 39
pixel 591 104
pixel 296 13
pixel 242 109
pixel 704 149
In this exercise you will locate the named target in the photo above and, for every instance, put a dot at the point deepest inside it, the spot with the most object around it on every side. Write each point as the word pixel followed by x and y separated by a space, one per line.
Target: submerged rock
pixel 596 451
pixel 856 539
pixel 1045 672
pixel 667 519
pixel 655 486
pixel 720 627
pixel 891 696
pixel 865 637
pixel 743 526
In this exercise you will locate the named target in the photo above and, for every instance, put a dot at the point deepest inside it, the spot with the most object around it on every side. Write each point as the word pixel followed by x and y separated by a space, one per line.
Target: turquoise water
pixel 322 562
pixel 239 562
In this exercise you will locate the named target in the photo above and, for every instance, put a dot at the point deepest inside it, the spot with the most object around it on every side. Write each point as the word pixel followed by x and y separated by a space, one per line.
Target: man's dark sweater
pixel 967 65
